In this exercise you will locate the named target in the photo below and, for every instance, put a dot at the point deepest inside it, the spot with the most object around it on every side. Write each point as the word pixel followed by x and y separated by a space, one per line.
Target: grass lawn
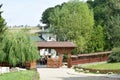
pixel 107 66
pixel 21 75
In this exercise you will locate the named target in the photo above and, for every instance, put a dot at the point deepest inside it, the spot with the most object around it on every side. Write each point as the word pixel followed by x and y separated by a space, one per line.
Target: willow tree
pixel 18 48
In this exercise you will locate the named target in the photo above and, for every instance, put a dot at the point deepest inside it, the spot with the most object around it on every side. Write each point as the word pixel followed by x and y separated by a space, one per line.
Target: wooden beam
pixel 69 58
pixel 60 59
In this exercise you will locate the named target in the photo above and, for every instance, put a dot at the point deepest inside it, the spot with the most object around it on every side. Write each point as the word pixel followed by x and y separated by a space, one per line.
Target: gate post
pixel 69 59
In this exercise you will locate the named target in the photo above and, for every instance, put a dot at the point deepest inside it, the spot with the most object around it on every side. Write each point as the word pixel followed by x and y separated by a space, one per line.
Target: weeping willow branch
pixel 18 48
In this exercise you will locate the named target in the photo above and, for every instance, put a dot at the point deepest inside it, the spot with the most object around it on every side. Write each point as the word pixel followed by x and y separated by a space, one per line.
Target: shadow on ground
pixel 38 65
pixel 89 78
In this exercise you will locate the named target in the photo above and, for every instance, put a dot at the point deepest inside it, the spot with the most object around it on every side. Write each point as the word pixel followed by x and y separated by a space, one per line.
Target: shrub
pixel 65 56
pixel 115 55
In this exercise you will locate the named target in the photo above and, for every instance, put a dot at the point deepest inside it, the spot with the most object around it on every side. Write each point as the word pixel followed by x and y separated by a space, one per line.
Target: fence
pixel 4 64
pixel 89 58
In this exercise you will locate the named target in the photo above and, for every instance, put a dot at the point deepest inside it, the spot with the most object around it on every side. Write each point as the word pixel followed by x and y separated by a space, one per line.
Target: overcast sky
pixel 26 12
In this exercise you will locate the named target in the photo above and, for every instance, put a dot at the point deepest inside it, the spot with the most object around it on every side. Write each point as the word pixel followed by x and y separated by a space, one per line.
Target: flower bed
pixel 103 68
pixel 117 71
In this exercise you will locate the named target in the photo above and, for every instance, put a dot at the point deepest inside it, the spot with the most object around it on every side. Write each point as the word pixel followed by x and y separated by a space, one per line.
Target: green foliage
pixel 46 15
pixel 115 55
pixel 65 56
pixel 114 30
pixel 18 48
pixel 100 10
pixel 72 21
pixel 97 42
pixel 106 14
pixel 2 30
pixel 2 24
pixel 2 55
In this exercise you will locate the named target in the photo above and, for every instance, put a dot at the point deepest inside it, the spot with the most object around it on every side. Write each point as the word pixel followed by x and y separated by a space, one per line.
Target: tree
pixel 100 8
pixel 2 30
pixel 2 24
pixel 105 14
pixel 113 24
pixel 46 15
pixel 114 30
pixel 72 21
pixel 18 48
pixel 97 42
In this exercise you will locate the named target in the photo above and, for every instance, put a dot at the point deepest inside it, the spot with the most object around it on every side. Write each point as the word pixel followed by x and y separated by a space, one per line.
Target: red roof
pixel 54 44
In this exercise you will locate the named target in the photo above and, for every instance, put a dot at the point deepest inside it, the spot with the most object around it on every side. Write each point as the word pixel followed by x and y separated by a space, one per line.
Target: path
pixel 70 74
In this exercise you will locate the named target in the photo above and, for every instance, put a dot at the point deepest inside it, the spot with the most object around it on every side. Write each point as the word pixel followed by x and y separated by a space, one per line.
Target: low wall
pixel 89 58
pixel 53 63
pixel 4 64
pixel 28 65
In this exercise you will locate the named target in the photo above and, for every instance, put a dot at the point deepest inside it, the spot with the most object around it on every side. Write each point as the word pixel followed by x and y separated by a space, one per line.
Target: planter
pixel 27 64
pixel 30 65
pixel 53 62
pixel 0 64
pixel 33 65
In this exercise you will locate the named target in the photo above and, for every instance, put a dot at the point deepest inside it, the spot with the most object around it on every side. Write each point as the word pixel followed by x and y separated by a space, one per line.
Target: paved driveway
pixel 70 74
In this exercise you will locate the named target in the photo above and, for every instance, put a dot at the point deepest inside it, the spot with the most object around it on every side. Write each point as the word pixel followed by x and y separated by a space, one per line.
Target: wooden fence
pixel 90 58
pixel 76 59
pixel 4 64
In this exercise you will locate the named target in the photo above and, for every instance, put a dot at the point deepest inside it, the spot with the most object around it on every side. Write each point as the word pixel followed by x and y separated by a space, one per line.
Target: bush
pixel 115 55
pixel 65 56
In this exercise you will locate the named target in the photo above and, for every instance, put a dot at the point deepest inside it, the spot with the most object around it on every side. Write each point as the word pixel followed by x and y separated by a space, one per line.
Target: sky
pixel 26 12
